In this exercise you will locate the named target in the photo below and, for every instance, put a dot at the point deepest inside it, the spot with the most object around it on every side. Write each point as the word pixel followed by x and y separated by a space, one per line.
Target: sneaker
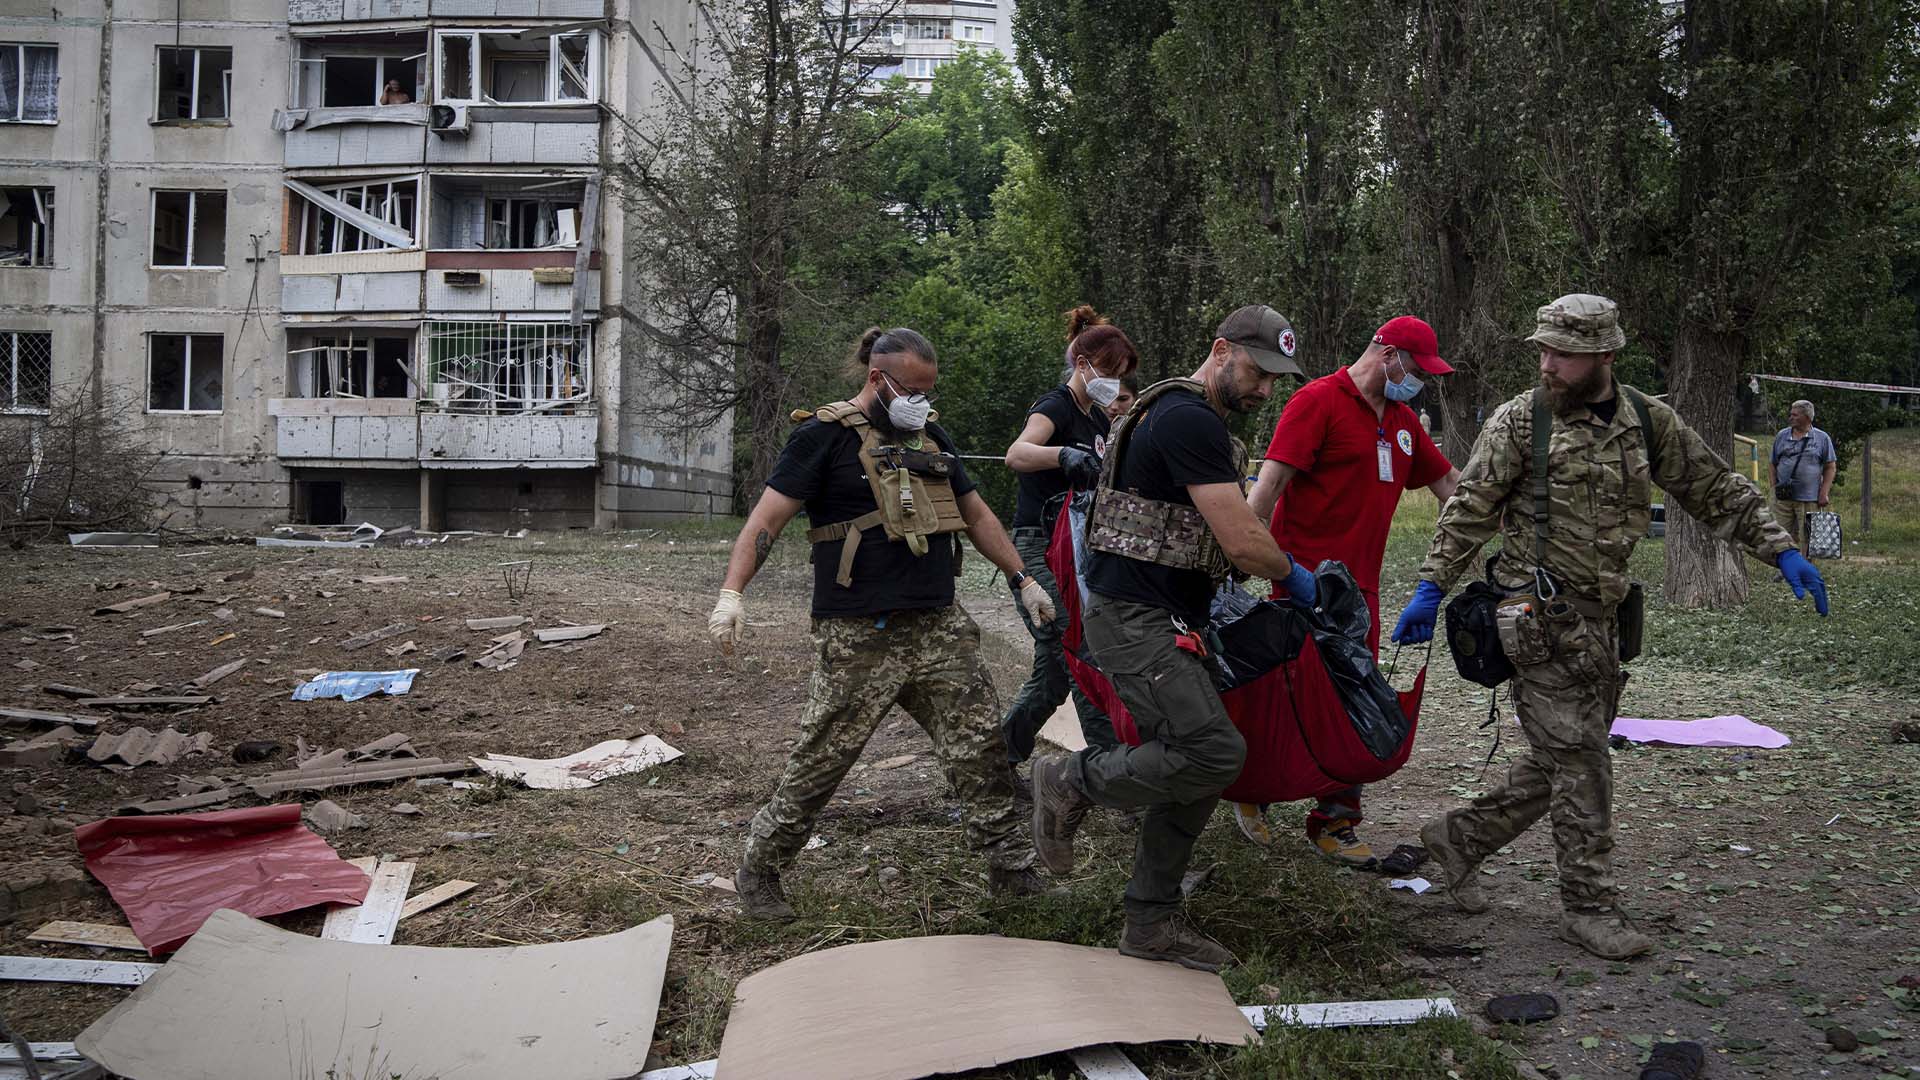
pixel 1675 1061
pixel 1021 882
pixel 1605 934
pixel 1173 939
pixel 1058 807
pixel 1252 819
pixel 761 896
pixel 1337 841
pixel 1462 873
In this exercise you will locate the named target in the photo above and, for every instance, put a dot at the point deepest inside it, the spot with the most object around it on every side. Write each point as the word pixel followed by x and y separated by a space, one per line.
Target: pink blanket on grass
pixel 1712 731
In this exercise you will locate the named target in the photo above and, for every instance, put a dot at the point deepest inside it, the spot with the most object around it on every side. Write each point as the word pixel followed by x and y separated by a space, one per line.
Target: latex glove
pixel 1416 622
pixel 1803 578
pixel 1299 584
pixel 729 618
pixel 1082 468
pixel 1035 599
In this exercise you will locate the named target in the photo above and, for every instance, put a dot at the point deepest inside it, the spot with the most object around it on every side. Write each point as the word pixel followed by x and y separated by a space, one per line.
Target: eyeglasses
pixel 927 396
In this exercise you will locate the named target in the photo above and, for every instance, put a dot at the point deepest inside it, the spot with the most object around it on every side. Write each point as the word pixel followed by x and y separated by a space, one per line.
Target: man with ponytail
pixel 1059 449
pixel 1169 521
pixel 886 496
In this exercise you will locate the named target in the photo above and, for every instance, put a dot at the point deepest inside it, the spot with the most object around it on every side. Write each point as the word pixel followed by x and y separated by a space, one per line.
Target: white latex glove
pixel 1035 599
pixel 729 618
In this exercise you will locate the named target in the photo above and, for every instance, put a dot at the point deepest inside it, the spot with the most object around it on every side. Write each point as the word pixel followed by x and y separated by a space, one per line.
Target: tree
pixel 749 210
pixel 944 161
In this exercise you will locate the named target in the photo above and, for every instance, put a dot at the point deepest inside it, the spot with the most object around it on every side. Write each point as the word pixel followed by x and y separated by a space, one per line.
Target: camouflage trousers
pixel 928 663
pixel 1566 706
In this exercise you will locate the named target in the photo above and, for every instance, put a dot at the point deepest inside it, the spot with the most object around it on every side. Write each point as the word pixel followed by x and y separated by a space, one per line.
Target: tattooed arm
pixel 750 550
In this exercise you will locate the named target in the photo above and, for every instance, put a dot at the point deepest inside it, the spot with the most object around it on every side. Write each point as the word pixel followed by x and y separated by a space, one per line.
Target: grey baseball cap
pixel 1266 334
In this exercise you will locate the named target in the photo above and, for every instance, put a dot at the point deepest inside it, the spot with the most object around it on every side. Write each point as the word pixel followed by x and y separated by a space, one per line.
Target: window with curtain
pixel 29 83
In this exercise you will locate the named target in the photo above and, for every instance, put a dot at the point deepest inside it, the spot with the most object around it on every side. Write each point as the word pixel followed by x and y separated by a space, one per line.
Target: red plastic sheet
pixel 169 872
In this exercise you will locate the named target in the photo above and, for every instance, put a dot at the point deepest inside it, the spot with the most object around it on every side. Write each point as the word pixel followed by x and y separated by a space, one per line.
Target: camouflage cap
pixel 1580 323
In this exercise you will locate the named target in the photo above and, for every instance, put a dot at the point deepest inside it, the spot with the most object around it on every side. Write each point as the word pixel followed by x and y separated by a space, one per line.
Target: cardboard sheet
pixel 169 872
pixel 601 761
pixel 245 1000
pixel 895 1010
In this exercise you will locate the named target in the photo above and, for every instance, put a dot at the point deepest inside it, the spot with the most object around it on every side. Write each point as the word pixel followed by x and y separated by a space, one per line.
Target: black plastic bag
pixel 1340 623
pixel 1252 637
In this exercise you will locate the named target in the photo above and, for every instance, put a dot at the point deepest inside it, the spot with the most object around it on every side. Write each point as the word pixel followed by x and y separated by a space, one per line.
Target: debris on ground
pixel 1523 1008
pixel 500 622
pixel 180 701
pixel 434 897
pixel 67 691
pixel 169 873
pixel 571 1010
pixel 254 751
pixel 138 746
pixel 374 919
pixel 269 613
pixel 361 641
pixel 370 772
pixel 505 652
pixel 42 749
pixel 403 648
pixel 354 685
pixel 54 969
pixel 405 809
pixel 214 676
pixel 1327 1014
pixel 568 633
pixel 392 745
pixel 195 801
pixel 126 606
pixel 49 719
pixel 94 935
pixel 1416 885
pixel 896 761
pixel 602 761
pixel 1719 731
pixel 113 540
pixel 861 1010
pixel 158 630
pixel 327 816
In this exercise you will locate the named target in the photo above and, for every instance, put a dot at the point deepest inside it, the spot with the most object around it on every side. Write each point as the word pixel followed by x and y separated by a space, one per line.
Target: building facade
pixel 355 257
pixel 913 40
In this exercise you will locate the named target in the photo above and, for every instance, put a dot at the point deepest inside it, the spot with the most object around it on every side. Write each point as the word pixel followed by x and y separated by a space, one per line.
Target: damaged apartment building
pixel 354 258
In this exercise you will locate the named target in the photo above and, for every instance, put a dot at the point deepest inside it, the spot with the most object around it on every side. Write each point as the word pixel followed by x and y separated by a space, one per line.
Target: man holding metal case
pixel 1564 474
pixel 886 495
pixel 1346 447
pixel 1168 522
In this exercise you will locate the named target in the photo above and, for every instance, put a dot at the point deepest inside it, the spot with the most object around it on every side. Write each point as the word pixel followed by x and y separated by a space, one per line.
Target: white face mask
pixel 906 414
pixel 1102 391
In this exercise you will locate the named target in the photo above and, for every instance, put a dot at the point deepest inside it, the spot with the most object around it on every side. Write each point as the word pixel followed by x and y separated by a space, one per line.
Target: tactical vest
pixel 912 492
pixel 1129 524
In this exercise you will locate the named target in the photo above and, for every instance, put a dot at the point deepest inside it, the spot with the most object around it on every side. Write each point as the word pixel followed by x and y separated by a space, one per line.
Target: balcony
pixel 377 433
pixel 305 12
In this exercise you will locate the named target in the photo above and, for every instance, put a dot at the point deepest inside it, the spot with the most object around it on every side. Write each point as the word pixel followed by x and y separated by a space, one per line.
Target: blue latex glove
pixel 1803 578
pixel 1299 584
pixel 1416 622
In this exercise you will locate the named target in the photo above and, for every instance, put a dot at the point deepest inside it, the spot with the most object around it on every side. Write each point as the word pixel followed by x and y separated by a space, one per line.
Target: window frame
pixel 186 380
pixel 193 96
pixel 20 89
pixel 479 67
pixel 307 214
pixel 43 194
pixel 10 346
pixel 193 211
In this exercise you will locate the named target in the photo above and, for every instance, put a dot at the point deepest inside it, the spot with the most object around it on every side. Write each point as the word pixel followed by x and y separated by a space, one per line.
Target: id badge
pixel 1384 454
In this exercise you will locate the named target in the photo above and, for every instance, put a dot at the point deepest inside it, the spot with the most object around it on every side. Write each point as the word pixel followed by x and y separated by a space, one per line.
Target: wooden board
pixel 361 641
pixel 35 716
pixel 434 897
pixel 498 622
pixel 217 674
pixel 125 606
pixel 1348 1013
pixel 46 1051
pixel 1105 1063
pixel 81 933
pixel 569 633
pixel 365 773
pixel 53 969
pixel 372 922
pixel 180 702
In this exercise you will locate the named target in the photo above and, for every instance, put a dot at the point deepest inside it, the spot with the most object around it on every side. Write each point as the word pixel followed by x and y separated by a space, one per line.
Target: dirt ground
pixel 1782 883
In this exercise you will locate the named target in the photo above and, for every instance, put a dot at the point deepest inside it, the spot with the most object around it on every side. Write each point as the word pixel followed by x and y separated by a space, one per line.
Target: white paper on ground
pixel 615 757
pixel 1417 884
pixel 273 1003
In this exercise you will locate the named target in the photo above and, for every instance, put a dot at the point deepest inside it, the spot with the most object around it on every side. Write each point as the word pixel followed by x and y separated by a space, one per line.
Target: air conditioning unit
pixel 449 120
pixel 462 279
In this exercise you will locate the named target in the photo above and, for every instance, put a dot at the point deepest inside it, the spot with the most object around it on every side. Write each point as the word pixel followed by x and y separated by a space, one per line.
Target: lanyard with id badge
pixel 1383 452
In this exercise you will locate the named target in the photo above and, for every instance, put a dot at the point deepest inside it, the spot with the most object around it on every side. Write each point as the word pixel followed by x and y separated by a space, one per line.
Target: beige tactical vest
pixel 1153 530
pixel 912 492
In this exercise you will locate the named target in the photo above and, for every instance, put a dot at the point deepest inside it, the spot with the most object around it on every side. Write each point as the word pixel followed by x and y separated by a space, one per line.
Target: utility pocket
pixel 1524 635
pixel 1632 620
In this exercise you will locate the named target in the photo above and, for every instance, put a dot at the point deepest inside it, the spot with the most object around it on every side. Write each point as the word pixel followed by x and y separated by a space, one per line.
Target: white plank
pixel 1105 1063
pixel 699 1070
pixel 96 934
pixel 433 897
pixel 41 1052
pixel 372 922
pixel 1349 1013
pixel 52 969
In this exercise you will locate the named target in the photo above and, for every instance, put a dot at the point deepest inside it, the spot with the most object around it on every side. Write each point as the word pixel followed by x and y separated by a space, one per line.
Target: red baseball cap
pixel 1415 336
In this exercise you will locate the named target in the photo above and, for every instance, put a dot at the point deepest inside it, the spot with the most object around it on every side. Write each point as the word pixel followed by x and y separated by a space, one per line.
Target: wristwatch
pixel 1017 578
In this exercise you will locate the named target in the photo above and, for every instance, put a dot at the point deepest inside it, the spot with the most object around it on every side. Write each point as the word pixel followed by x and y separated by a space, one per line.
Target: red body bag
pixel 1300 742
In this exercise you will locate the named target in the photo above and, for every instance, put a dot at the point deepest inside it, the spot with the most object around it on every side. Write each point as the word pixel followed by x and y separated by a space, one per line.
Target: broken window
pixel 29 83
pixel 184 372
pixel 532 223
pixel 349 81
pixel 26 366
pixel 353 367
pixel 194 83
pixel 189 229
pixel 505 213
pixel 26 226
pixel 498 368
pixel 324 224
pixel 527 66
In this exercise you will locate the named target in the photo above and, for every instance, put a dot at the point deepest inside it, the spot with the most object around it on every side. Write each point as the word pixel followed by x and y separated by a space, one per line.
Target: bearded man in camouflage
pixel 1570 563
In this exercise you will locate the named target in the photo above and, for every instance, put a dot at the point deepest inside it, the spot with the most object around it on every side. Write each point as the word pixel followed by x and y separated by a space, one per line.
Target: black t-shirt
pixel 1071 427
pixel 821 467
pixel 1180 441
pixel 1604 411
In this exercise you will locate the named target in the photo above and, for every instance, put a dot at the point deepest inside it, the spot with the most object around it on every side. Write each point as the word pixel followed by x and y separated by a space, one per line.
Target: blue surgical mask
pixel 1406 389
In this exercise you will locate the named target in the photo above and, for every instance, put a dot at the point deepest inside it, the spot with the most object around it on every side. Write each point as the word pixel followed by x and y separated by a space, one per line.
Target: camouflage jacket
pixel 1602 493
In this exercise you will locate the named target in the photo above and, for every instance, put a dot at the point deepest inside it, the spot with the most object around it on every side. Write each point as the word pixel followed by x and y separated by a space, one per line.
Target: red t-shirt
pixel 1336 506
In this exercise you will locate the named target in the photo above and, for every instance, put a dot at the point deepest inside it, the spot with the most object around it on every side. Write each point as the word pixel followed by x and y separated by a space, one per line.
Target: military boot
pixel 1604 934
pixel 1022 882
pixel 760 894
pixel 1463 874
pixel 1058 807
pixel 1174 940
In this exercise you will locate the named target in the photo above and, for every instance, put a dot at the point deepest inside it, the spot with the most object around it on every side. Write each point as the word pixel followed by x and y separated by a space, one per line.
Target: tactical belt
pixel 851 529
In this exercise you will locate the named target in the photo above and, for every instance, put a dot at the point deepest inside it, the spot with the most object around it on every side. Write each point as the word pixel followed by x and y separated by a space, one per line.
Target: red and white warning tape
pixel 1839 384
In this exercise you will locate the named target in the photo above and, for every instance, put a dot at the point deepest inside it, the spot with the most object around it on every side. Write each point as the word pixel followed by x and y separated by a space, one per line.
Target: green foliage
pixel 948 156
